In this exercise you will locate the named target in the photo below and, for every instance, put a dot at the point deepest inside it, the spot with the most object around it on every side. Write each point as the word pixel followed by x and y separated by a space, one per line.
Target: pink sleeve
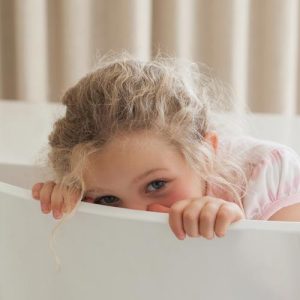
pixel 274 184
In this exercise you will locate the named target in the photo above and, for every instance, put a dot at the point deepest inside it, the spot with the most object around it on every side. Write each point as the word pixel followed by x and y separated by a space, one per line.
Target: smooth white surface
pixel 24 130
pixel 114 253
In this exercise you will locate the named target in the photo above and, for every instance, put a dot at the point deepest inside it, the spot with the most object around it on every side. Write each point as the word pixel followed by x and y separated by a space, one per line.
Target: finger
pixel 57 201
pixel 45 196
pixel 158 208
pixel 176 218
pixel 191 215
pixel 228 213
pixel 207 219
pixel 36 190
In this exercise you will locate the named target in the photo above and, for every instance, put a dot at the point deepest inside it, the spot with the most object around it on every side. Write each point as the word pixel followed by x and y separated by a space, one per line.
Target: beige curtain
pixel 253 45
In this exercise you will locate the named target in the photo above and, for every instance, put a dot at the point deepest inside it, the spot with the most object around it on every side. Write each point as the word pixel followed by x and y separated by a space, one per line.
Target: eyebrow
pixel 99 189
pixel 148 173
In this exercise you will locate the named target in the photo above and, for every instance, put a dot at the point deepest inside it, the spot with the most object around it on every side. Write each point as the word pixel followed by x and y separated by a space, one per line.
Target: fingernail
pixel 35 194
pixel 181 236
pixel 45 208
pixel 57 214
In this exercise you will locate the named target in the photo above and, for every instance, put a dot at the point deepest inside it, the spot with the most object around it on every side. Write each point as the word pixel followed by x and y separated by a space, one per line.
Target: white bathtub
pixel 112 253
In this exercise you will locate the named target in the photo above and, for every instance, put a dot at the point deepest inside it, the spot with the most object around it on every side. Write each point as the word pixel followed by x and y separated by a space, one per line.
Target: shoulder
pixel 257 151
pixel 274 180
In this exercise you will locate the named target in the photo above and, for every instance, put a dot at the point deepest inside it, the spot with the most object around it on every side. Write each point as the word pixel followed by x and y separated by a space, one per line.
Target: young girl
pixel 145 135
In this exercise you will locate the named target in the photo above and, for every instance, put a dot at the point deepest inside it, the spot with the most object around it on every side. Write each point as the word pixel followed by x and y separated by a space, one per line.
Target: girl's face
pixel 138 170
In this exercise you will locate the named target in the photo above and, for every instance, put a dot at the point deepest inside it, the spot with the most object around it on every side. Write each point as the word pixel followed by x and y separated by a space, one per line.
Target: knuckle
pixel 174 209
pixel 49 184
pixel 189 215
pixel 55 204
pixel 208 200
pixel 179 205
pixel 206 216
pixel 194 201
pixel 58 188
pixel 211 205
pixel 208 212
pixel 55 201
pixel 224 212
pixel 45 198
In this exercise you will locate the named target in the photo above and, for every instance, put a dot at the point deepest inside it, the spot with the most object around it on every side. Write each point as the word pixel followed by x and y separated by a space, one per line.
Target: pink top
pixel 273 177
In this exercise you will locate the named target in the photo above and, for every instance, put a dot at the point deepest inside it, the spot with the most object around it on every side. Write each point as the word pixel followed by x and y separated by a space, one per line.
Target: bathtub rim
pixel 153 217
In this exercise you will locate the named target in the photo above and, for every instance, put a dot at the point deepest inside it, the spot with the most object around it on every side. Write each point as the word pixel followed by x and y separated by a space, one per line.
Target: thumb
pixel 158 208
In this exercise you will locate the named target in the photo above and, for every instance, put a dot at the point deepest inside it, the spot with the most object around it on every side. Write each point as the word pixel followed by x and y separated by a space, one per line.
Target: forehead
pixel 135 151
pixel 134 145
pixel 140 139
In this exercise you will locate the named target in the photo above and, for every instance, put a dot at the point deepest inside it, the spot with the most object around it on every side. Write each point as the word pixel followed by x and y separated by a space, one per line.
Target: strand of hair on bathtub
pixel 54 232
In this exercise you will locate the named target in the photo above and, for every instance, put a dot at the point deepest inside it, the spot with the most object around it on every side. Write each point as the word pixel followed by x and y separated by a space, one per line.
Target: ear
pixel 212 138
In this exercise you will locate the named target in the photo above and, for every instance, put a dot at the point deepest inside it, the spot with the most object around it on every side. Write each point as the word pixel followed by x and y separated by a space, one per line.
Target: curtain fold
pixel 252 45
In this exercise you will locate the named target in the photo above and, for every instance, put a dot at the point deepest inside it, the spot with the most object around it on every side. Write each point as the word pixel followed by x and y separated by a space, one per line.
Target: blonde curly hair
pixel 171 97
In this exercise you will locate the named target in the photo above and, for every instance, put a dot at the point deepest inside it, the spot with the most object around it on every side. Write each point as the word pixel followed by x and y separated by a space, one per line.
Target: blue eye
pixel 156 185
pixel 107 200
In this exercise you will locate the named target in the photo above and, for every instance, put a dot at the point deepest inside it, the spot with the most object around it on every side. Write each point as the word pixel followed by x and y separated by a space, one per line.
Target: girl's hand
pixel 55 197
pixel 200 217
